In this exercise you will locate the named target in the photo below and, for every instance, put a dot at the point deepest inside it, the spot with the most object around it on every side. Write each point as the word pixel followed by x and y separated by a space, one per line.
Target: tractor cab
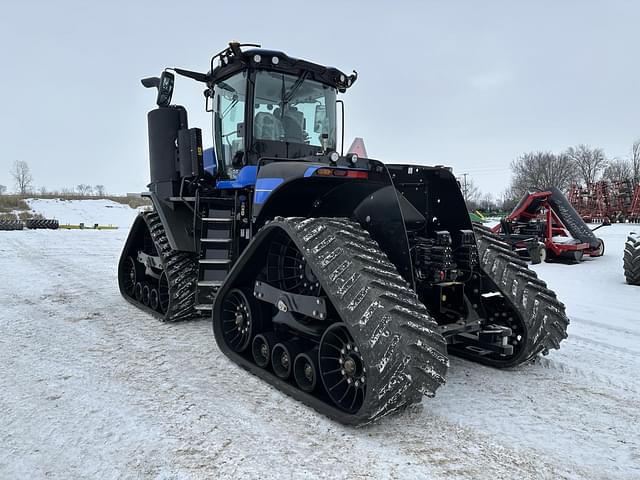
pixel 266 104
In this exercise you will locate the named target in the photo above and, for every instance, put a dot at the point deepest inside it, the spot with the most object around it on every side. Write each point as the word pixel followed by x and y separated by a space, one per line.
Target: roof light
pixel 257 58
pixel 275 60
pixel 334 157
pixel 353 158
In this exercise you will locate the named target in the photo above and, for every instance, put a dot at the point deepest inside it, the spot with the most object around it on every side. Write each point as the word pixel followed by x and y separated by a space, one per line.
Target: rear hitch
pixel 491 339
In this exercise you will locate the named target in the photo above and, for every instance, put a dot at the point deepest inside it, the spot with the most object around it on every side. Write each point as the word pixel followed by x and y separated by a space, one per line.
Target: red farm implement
pixel 544 226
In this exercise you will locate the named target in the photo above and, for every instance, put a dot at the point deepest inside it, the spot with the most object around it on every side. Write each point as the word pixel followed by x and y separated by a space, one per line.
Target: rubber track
pixel 11 225
pixel 631 259
pixel 182 274
pixel 42 223
pixel 397 338
pixel 544 315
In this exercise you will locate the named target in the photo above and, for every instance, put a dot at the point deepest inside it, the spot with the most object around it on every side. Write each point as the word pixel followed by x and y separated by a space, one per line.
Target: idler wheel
pixel 240 314
pixel 130 275
pixel 342 368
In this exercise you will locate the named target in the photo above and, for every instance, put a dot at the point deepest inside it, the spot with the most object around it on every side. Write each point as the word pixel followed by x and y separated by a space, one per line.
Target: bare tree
pixel 487 203
pixel 3 189
pixel 635 161
pixel 43 190
pixel 84 190
pixel 99 190
pixel 22 176
pixel 590 162
pixel 540 170
pixel 618 170
pixel 470 192
pixel 509 199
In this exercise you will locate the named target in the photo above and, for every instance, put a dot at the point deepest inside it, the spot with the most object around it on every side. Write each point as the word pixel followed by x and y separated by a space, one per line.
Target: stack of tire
pixel 11 225
pixel 42 223
pixel 632 259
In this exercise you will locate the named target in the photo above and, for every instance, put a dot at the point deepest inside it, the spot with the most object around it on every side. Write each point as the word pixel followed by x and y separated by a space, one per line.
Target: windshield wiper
pixel 286 98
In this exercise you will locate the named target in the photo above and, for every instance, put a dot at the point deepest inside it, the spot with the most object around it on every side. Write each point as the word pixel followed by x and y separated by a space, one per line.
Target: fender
pixel 290 189
pixel 178 222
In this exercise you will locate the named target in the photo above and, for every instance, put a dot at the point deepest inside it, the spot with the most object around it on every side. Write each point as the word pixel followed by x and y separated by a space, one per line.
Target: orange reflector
pixel 340 172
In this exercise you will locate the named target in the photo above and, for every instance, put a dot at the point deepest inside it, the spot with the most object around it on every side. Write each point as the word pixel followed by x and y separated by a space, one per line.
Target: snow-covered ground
pixel 90 387
pixel 89 212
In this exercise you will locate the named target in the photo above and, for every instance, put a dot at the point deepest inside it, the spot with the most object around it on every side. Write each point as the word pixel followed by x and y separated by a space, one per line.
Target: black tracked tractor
pixel 341 281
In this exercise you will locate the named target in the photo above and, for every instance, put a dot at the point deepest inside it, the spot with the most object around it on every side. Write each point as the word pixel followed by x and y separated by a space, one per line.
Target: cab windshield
pixel 293 109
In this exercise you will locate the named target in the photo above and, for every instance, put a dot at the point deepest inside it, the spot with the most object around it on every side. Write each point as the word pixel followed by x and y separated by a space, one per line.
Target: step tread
pixel 214 261
pixel 210 283
pixel 215 240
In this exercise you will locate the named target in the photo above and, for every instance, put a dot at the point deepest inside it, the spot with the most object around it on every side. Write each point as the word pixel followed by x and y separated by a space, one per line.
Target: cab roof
pixel 234 59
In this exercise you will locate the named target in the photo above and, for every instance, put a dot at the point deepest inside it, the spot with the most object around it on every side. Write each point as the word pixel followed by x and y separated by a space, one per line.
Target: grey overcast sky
pixel 466 84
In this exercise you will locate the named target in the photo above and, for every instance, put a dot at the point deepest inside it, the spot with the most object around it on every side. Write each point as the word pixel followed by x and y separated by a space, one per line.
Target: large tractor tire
pixel 167 288
pixel 632 259
pixel 376 350
pixel 11 225
pixel 42 223
pixel 535 312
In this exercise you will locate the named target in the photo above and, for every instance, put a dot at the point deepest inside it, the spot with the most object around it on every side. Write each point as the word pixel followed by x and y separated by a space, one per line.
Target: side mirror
pixel 164 84
pixel 319 118
pixel 165 89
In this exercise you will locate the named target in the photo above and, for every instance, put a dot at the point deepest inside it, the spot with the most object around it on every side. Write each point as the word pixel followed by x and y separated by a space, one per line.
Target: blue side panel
pixel 310 171
pixel 246 177
pixel 209 160
pixel 264 187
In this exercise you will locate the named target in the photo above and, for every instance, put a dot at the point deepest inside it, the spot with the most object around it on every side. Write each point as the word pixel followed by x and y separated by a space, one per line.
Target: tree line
pixel 24 184
pixel 538 170
pixel 577 165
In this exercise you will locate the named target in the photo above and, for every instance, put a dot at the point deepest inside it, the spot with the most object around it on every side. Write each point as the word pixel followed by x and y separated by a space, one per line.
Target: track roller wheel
pixel 145 294
pixel 261 349
pixel 342 369
pixel 305 370
pixel 153 299
pixel 138 291
pixel 282 357
pixel 240 315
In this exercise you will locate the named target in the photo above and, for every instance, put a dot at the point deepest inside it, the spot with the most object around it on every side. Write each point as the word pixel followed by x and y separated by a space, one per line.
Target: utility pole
pixel 464 186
